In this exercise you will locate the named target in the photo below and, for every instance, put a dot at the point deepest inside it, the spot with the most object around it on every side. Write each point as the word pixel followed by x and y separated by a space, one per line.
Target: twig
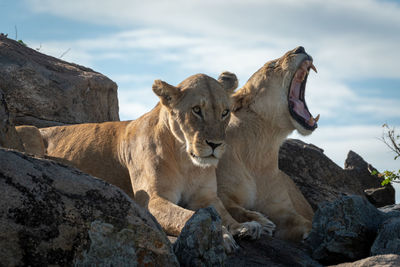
pixel 65 52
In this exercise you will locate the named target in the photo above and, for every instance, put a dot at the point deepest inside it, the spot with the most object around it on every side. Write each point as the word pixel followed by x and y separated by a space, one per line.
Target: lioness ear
pixel 228 80
pixel 167 93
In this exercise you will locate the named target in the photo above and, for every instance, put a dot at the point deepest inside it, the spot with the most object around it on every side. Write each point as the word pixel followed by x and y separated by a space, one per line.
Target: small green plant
pixel 22 42
pixel 392 140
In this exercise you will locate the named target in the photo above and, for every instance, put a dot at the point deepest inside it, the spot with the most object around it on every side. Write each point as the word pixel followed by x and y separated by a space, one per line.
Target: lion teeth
pixel 317 118
pixel 311 121
pixel 313 68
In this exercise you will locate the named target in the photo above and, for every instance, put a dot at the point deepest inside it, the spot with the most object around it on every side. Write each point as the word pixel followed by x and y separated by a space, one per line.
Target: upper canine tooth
pixel 313 68
pixel 317 118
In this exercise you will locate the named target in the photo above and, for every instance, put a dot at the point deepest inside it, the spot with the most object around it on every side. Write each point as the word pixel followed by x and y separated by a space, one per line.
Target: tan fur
pixel 248 176
pixel 162 159
pixel 31 140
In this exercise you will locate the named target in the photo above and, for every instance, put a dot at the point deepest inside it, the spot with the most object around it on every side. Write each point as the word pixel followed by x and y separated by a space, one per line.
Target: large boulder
pixel 269 251
pixel 388 260
pixel 200 242
pixel 43 91
pixel 388 239
pixel 51 214
pixel 345 229
pixel 8 136
pixel 320 179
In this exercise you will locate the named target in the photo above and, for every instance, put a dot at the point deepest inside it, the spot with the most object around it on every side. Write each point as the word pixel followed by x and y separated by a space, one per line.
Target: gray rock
pixel 388 239
pixel 109 247
pixel 320 179
pixel 51 214
pixel 8 136
pixel 344 230
pixel 391 208
pixel 378 195
pixel 44 91
pixel 389 260
pixel 200 242
pixel 269 251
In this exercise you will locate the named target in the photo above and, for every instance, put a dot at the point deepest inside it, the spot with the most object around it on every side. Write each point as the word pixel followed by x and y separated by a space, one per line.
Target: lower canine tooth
pixel 317 118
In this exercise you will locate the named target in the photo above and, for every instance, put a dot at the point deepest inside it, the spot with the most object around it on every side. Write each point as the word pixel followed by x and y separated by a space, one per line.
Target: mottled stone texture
pixel 51 214
pixel 320 179
pixel 200 242
pixel 388 239
pixel 8 136
pixel 269 251
pixel 344 230
pixel 44 91
pixel 388 260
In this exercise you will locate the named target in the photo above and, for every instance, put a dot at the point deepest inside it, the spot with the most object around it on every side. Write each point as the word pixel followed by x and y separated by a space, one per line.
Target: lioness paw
pixel 269 227
pixel 251 229
pixel 230 244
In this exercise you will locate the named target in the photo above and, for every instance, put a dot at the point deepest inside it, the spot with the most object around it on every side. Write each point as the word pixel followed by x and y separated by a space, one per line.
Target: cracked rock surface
pixel 51 214
pixel 43 91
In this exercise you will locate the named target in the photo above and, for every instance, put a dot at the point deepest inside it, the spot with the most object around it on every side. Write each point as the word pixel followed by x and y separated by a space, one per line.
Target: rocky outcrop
pixel 357 168
pixel 345 230
pixel 200 242
pixel 388 239
pixel 8 136
pixel 44 91
pixel 389 260
pixel 320 179
pixel 269 251
pixel 51 214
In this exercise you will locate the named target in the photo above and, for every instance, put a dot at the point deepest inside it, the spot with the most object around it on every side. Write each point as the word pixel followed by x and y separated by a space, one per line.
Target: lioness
pixel 266 110
pixel 166 159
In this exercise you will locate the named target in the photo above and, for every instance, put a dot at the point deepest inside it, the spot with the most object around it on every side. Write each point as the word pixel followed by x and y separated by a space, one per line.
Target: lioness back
pixel 92 148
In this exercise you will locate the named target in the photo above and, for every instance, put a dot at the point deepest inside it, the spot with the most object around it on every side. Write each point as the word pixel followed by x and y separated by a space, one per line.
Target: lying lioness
pixel 266 110
pixel 166 159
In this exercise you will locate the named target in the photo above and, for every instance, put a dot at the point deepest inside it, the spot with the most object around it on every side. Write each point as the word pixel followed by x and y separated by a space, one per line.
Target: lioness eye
pixel 225 112
pixel 197 110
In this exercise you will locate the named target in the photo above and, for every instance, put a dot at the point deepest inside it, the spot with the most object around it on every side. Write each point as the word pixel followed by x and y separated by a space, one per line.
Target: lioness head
pixel 198 114
pixel 277 91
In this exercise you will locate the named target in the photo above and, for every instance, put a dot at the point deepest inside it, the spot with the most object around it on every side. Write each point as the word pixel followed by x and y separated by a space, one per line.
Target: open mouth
pixel 297 103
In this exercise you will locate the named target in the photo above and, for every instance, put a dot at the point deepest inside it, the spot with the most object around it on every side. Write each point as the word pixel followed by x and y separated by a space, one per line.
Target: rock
pixel 269 251
pixel 320 179
pixel 344 230
pixel 389 260
pixel 388 239
pixel 381 196
pixel 51 214
pixel 378 195
pixel 8 136
pixel 200 242
pixel 43 91
pixel 391 208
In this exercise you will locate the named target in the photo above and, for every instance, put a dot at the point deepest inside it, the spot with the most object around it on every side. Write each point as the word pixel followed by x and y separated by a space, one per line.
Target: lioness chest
pixel 197 186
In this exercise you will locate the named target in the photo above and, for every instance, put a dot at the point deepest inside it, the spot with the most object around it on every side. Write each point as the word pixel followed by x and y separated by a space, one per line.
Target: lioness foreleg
pixel 171 217
pixel 246 229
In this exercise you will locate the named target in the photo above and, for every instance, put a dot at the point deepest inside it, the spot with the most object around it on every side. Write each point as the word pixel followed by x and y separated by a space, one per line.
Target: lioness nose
pixel 213 145
pixel 299 50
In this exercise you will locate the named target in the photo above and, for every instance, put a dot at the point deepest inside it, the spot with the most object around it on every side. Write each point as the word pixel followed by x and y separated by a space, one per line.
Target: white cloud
pixel 134 103
pixel 352 39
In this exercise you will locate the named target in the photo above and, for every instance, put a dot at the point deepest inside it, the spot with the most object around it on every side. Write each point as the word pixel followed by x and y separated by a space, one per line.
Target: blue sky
pixel 355 46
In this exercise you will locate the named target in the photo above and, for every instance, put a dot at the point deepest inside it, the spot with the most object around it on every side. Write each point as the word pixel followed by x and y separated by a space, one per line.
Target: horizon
pixel 354 46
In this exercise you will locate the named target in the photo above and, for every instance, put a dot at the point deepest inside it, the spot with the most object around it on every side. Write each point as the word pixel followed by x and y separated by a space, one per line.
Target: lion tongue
pixel 298 105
